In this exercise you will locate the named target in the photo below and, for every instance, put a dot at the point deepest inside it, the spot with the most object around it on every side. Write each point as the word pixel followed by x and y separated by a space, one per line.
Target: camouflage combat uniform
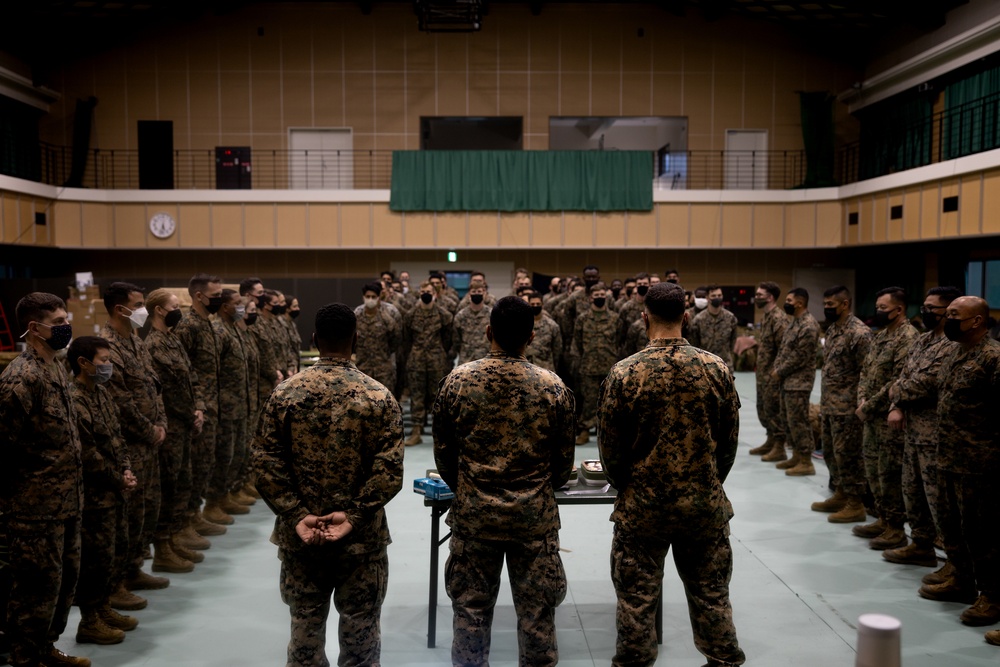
pixel 796 369
pixel 844 353
pixel 488 301
pixel 715 334
pixel 772 328
pixel 969 464
pixel 916 392
pixel 379 337
pixel 670 492
pixel 181 397
pixel 41 499
pixel 235 385
pixel 883 446
pixel 545 349
pixel 135 388
pixel 636 339
pixel 628 313
pixel 253 372
pixel 427 335
pixel 469 341
pixel 292 341
pixel 597 349
pixel 198 338
pixel 503 441
pixel 268 362
pixel 330 439
pixel 104 530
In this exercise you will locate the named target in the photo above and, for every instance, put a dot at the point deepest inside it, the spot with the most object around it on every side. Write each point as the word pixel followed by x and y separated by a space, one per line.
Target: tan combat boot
pixel 231 507
pixel 216 514
pixel 583 437
pixel 803 468
pixel 870 530
pixel 140 581
pixel 853 511
pixel 940 575
pixel 834 503
pixel 993 637
pixel 243 498
pixel 126 600
pixel 56 658
pixel 206 528
pixel 893 537
pixel 189 538
pixel 765 448
pixel 917 553
pixel 166 560
pixel 415 437
pixel 185 553
pixel 116 620
pixel 795 459
pixel 251 490
pixel 777 452
pixel 93 630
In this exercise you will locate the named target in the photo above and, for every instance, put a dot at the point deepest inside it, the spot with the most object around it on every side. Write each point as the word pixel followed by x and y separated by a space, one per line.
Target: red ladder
pixel 6 337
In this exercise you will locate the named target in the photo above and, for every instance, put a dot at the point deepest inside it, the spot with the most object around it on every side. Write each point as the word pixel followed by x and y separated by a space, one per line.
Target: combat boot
pixel 834 503
pixel 777 452
pixel 795 459
pixel 765 448
pixel 206 528
pixel 583 437
pixel 892 537
pixel 415 437
pixel 230 506
pixel 56 658
pixel 243 498
pixel 917 553
pixel 993 637
pixel 870 530
pixel 216 515
pixel 984 611
pixel 126 600
pixel 190 539
pixel 803 468
pixel 140 581
pixel 251 490
pixel 852 512
pixel 185 553
pixel 167 560
pixel 952 590
pixel 940 575
pixel 116 620
pixel 93 630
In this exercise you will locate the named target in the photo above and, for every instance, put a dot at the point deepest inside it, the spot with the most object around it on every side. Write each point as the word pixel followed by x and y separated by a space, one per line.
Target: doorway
pixel 321 158
pixel 746 160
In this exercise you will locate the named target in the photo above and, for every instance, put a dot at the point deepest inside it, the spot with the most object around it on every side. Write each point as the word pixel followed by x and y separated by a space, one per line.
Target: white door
pixel 321 159
pixel 746 160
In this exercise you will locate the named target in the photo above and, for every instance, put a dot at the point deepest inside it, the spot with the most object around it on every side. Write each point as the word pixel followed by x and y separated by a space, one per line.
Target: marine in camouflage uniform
pixel 636 338
pixel 469 340
pixel 969 464
pixel 715 333
pixel 772 328
pixel 41 500
pixel 628 313
pixel 503 441
pixel 135 388
pixel 330 439
pixel 670 492
pixel 235 385
pixel 292 342
pixel 545 349
pixel 883 446
pixel 795 368
pixel 596 347
pixel 427 338
pixel 380 334
pixel 268 361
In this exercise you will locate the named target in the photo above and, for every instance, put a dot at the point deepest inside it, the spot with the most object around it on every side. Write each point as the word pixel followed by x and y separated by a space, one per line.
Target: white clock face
pixel 162 225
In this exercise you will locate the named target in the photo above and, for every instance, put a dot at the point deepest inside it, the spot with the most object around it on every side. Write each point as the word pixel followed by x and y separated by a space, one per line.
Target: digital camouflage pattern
pixel 796 360
pixel 293 342
pixel 844 352
pixel 596 341
pixel 104 454
pixel 427 339
pixel 252 352
pixel 545 349
pixel 267 358
pixel 628 312
pixel 103 540
pixel 469 341
pixel 769 411
pixel 667 435
pixel 882 366
pixel 798 432
pixel 636 338
pixel 380 336
pixel 235 385
pixel 715 334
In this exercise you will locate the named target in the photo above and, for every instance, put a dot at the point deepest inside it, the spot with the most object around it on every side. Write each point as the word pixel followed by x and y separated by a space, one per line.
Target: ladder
pixel 6 337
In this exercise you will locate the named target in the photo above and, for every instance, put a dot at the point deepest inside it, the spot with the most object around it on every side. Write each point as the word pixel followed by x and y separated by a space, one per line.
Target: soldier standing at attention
pixel 41 486
pixel 914 411
pixel 714 329
pixel 136 389
pixel 328 456
pixel 469 342
pixel 795 369
pixel 545 348
pixel 379 336
pixel 669 422
pixel 883 446
pixel 503 440
pixel 427 334
pixel 772 327
pixel 596 339
pixel 847 342
pixel 630 310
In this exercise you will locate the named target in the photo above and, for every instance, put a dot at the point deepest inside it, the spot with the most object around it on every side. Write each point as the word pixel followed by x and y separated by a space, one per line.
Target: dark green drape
pixel 522 181
pixel 817 137
pixel 895 135
pixel 972 122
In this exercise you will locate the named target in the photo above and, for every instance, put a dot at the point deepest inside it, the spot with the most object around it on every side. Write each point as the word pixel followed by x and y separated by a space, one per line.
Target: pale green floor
pixel 798 587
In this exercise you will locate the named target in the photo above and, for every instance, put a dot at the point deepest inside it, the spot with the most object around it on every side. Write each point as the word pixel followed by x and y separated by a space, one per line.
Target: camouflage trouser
pixel 920 490
pixel 799 434
pixel 143 504
pixel 842 452
pixel 384 373
pixel 704 561
pixel 537 582
pixel 175 479
pixel 202 459
pixel 104 538
pixel 44 563
pixel 309 576
pixel 239 466
pixel 590 388
pixel 225 444
pixel 883 448
pixel 769 410
pixel 423 386
pixel 967 512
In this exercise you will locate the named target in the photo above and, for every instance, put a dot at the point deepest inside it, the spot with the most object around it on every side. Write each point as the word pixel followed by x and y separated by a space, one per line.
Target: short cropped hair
pixel 665 302
pixel 801 292
pixel 199 282
pixel 335 325
pixel 641 275
pixel 712 287
pixel 372 287
pixel 532 295
pixel 837 290
pixel 897 294
pixel 591 267
pixel 512 323
pixel 86 347
pixel 388 272
pixel 246 286
pixel 34 306
pixel 117 294
pixel 771 288
pixel 228 294
pixel 596 286
pixel 946 293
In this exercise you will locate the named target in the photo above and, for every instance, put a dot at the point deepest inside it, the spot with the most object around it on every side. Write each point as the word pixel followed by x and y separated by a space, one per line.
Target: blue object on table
pixel 435 489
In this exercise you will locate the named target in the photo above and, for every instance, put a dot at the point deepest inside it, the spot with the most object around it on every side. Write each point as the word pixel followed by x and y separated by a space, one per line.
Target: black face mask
pixel 641 290
pixel 830 314
pixel 600 301
pixel 263 301
pixel 172 318
pixel 294 313
pixel 628 291
pixel 426 298
pixel 476 298
pixel 715 303
pixel 929 318
pixel 760 303
pixel 882 318
pixel 278 310
pixel 672 280
pixel 62 334
pixel 250 318
pixel 616 292
pixel 953 330
pixel 536 310
pixel 790 308
pixel 214 304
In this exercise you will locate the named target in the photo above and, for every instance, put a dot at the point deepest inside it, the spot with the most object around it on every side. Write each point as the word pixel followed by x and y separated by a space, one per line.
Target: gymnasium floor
pixel 798 587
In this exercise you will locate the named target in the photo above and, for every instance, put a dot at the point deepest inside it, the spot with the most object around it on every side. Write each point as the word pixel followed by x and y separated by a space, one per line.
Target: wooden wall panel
pixel 895 227
pixel 737 226
pixel 65 220
pixel 930 211
pixel 912 213
pixel 12 232
pixel 829 226
pixel 451 230
pixel 706 223
pixel 949 221
pixel 418 230
pixel 800 225
pixel 290 221
pixel 880 218
pixel 970 205
pixel 515 230
pixel 640 230
pixel 259 227
pixel 546 229
pixel 97 226
pixel 227 226
pixel 387 226
pixel 768 226
pixel 483 228
pixel 579 229
pixel 674 222
pixel 991 202
pixel 866 219
pixel 355 225
pixel 850 231
pixel 324 225
pixel 194 226
pixel 609 230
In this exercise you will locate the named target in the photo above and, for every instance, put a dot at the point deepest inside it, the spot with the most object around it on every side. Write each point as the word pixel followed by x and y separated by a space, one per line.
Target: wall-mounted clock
pixel 162 225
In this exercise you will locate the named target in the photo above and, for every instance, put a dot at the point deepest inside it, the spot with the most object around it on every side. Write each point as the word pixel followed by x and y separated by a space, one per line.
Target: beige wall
pixel 327 65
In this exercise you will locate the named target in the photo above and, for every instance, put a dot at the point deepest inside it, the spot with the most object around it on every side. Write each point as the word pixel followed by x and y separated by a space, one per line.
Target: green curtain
pixel 817 137
pixel 971 121
pixel 522 181
pixel 895 135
